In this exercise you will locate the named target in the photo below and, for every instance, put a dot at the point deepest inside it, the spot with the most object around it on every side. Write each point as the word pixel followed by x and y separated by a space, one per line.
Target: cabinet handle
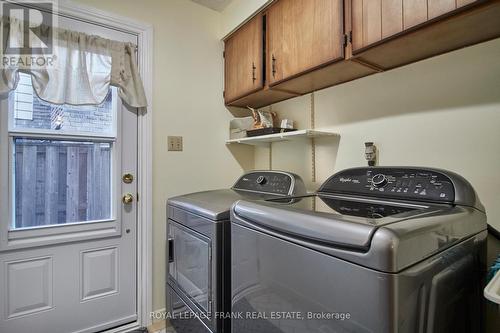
pixel 253 72
pixel 273 65
pixel 170 250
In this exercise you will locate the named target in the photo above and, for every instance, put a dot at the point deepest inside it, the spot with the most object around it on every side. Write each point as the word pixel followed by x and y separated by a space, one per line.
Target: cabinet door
pixel 375 20
pixel 243 60
pixel 303 35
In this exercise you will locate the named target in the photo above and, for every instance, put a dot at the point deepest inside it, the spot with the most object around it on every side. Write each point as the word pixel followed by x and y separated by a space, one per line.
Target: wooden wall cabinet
pixel 294 47
pixel 244 71
pixel 391 33
pixel 303 35
pixel 243 60
pixel 307 46
pixel 304 50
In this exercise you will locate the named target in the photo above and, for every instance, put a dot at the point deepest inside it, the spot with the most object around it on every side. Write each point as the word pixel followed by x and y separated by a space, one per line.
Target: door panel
pixel 243 60
pixel 25 297
pixel 99 270
pixel 303 35
pixel 67 242
pixel 45 286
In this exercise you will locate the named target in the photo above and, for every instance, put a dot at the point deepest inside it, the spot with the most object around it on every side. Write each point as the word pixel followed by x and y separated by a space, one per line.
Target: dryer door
pixel 190 264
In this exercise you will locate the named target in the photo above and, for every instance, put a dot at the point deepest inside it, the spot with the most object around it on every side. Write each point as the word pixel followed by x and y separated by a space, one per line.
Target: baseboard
pixel 158 320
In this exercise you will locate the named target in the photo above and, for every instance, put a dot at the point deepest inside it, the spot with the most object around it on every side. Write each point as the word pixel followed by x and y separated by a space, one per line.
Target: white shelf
pixel 277 137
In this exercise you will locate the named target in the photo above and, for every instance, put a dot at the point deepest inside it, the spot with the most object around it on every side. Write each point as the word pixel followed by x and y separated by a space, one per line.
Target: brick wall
pixel 92 119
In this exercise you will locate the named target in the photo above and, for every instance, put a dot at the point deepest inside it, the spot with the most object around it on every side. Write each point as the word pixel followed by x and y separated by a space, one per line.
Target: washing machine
pixel 198 233
pixel 376 249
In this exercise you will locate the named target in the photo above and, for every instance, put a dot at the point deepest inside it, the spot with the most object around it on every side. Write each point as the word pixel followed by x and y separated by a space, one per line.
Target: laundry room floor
pixel 159 327
pixel 165 330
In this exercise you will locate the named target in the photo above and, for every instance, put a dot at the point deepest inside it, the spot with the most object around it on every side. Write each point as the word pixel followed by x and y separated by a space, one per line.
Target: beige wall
pixel 442 112
pixel 237 12
pixel 187 101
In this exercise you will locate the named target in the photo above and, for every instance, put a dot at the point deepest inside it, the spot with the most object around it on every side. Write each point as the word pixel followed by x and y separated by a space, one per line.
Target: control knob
pixel 261 180
pixel 379 180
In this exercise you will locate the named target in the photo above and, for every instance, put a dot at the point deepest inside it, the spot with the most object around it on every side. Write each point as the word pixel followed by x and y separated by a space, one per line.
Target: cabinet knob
pixel 253 72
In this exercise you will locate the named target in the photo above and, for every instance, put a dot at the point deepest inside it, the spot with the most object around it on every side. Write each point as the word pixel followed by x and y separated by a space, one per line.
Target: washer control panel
pixel 403 183
pixel 277 182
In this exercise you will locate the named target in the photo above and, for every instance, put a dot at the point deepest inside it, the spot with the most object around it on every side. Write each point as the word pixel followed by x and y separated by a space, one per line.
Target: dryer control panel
pixel 398 183
pixel 277 182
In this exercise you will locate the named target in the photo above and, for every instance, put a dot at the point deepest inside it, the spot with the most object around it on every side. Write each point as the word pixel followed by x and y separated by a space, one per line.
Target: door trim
pixel 144 33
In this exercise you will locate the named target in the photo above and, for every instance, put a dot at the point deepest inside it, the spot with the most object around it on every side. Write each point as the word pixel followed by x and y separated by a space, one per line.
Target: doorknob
pixel 128 198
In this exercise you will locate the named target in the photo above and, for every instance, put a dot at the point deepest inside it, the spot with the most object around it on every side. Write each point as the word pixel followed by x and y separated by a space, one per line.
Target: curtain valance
pixel 75 69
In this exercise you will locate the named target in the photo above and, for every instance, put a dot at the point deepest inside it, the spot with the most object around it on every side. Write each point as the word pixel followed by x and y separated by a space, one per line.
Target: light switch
pixel 174 143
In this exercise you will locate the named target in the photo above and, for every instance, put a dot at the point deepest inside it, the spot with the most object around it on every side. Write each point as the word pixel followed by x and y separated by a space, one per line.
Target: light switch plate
pixel 174 143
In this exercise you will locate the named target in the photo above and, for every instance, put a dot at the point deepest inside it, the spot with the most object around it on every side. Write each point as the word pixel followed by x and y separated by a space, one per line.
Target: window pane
pixel 59 182
pixel 31 113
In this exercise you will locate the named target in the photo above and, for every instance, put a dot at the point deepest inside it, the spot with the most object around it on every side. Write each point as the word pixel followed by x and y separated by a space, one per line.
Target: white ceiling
pixel 217 5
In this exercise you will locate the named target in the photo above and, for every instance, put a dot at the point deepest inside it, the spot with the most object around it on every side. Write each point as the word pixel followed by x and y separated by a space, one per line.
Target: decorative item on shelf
pixel 262 119
pixel 238 127
pixel 264 122
pixel 287 123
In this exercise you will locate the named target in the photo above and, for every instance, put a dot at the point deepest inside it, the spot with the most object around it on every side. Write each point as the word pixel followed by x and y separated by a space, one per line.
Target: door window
pixel 61 159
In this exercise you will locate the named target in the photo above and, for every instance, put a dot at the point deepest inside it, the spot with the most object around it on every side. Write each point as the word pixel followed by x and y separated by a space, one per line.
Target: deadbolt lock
pixel 128 198
pixel 128 178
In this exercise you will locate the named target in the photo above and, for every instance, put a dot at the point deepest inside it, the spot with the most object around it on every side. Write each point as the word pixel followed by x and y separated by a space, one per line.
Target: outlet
pixel 174 143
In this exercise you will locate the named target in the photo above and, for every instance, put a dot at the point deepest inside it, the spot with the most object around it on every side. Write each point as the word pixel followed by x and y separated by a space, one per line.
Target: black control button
pixel 261 180
pixel 379 180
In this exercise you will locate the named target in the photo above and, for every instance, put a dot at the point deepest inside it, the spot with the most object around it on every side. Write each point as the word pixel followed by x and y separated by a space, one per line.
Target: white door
pixel 67 241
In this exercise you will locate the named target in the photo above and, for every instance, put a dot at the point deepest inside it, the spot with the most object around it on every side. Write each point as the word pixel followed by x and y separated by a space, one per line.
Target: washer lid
pixel 329 220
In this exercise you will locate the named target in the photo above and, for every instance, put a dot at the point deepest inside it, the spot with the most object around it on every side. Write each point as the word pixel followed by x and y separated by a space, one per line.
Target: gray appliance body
pixel 198 232
pixel 375 250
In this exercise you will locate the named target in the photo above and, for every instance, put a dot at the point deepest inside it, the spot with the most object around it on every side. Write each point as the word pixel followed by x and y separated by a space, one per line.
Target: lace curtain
pixel 77 70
